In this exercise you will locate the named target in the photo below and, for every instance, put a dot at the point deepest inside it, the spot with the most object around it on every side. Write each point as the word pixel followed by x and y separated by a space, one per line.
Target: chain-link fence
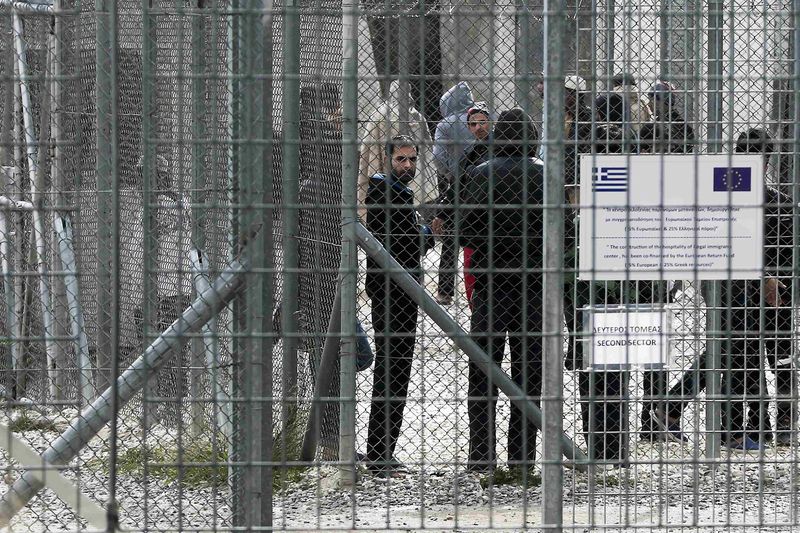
pixel 399 266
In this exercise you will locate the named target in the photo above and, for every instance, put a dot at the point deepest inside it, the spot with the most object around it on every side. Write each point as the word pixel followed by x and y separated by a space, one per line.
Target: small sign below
pixel 620 338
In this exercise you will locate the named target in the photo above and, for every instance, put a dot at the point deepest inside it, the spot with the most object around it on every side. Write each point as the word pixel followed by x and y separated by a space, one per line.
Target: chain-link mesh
pixel 143 156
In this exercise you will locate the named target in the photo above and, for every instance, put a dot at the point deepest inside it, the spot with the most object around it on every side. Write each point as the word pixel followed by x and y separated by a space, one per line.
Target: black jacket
pixel 778 231
pixel 392 219
pixel 478 153
pixel 495 222
pixel 578 141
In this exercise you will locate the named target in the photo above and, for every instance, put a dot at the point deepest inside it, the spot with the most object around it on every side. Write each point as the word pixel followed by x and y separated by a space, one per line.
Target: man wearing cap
pixel 507 238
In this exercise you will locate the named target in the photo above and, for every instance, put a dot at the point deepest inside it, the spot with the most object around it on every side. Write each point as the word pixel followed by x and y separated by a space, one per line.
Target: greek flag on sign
pixel 609 179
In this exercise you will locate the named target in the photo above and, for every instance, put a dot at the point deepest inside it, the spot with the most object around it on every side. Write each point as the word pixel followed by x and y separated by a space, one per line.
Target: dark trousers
pixel 743 367
pixel 500 308
pixel 654 385
pixel 448 262
pixel 691 384
pixel 743 373
pixel 603 395
pixel 394 319
pixel 603 401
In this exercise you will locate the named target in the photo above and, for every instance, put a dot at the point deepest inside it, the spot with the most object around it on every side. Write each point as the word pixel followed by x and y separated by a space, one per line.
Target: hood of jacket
pixel 457 99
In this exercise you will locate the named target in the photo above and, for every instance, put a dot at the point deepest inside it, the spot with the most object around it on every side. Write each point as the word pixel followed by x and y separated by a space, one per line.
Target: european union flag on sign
pixel 733 179
pixel 609 179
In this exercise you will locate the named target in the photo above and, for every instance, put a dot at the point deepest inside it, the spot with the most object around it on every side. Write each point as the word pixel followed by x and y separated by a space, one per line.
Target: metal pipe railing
pixel 95 416
pixel 37 198
pixel 461 338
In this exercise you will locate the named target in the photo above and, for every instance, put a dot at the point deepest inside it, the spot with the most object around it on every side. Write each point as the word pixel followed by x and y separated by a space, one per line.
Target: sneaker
pixel 443 299
pixel 650 435
pixel 480 467
pixel 670 427
pixel 745 444
pixel 784 438
pixel 387 469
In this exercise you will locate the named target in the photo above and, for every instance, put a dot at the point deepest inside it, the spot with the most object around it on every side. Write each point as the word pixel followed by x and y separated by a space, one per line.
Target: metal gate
pixel 208 323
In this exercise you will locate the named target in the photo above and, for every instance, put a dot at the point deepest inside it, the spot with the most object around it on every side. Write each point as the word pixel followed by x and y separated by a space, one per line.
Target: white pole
pixel 8 280
pixel 63 228
pixel 221 399
pixel 37 200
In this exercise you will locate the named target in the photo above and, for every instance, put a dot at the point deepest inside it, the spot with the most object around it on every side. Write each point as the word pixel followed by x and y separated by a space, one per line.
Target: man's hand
pixel 772 288
pixel 437 225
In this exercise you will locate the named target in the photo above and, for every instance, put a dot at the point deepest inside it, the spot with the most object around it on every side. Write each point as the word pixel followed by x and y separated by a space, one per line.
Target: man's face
pixel 404 162
pixel 479 126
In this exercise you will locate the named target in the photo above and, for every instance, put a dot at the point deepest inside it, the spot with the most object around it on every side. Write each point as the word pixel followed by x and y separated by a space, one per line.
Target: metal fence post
pixel 104 348
pixel 552 382
pixel 114 252
pixel 795 180
pixel 255 181
pixel 290 192
pixel 349 264
pixel 37 196
pixel 711 289
pixel 199 345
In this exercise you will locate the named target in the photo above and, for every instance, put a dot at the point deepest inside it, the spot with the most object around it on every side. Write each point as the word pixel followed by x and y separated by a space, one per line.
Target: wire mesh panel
pixel 445 266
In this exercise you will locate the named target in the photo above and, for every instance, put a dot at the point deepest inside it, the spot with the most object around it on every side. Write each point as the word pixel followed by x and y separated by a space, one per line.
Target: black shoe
pixel 650 435
pixel 443 299
pixel 480 467
pixel 387 469
pixel 670 428
pixel 784 438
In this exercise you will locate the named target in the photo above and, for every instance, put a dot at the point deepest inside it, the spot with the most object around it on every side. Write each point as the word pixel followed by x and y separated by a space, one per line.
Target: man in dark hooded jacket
pixel 392 219
pixel 503 223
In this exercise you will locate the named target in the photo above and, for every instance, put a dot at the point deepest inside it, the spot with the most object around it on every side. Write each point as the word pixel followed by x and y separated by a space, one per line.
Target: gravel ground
pixel 667 486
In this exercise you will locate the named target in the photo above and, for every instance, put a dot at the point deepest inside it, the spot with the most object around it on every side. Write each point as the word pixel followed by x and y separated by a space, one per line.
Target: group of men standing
pixel 491 203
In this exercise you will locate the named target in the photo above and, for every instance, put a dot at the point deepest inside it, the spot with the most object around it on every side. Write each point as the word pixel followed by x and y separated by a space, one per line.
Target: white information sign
pixel 650 217
pixel 620 338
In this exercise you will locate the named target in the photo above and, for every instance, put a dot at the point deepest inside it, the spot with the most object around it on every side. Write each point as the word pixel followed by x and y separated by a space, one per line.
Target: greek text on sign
pixel 649 217
pixel 620 338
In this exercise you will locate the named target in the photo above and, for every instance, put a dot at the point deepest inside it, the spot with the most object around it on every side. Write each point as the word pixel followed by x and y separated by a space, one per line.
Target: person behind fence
pixel 602 393
pixel 654 138
pixel 751 302
pixel 624 105
pixel 578 126
pixel 507 239
pixel 677 135
pixel 392 219
pixel 451 140
pixel 479 122
pixel 171 226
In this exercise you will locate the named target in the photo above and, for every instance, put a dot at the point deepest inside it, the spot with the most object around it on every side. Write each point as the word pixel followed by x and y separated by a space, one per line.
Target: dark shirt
pixel 392 219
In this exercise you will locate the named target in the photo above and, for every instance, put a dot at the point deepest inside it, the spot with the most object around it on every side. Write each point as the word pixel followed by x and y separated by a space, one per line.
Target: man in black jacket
pixel 503 223
pixel 392 219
